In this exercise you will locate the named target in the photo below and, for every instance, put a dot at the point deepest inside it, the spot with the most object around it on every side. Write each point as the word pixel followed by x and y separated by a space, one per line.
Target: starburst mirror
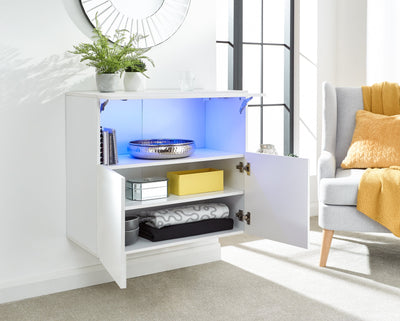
pixel 158 20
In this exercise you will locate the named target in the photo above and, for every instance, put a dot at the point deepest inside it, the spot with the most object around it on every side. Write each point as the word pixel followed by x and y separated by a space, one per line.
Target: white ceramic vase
pixel 107 82
pixel 133 81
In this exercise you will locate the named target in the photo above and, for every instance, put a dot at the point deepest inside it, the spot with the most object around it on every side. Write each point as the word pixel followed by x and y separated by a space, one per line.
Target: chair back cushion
pixel 349 100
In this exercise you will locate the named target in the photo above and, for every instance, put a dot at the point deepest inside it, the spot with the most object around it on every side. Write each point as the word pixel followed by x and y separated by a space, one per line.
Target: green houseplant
pixel 136 65
pixel 109 58
pixel 134 68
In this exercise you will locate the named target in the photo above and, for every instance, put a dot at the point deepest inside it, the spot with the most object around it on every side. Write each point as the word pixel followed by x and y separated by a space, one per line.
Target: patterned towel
pixel 184 214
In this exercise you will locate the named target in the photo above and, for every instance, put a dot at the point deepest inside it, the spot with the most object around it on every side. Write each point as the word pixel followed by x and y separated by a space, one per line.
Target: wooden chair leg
pixel 326 245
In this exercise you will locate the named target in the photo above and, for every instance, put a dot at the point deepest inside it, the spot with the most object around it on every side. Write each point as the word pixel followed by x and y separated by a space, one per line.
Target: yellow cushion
pixel 376 141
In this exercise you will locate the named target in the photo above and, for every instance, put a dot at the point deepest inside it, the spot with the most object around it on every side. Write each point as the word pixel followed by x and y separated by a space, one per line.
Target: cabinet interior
pixel 214 124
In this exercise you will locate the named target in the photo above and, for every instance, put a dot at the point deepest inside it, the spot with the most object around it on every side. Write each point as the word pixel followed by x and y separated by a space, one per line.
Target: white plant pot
pixel 133 81
pixel 108 82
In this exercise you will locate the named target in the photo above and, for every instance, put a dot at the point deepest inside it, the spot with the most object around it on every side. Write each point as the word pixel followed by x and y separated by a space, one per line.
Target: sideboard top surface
pixel 160 94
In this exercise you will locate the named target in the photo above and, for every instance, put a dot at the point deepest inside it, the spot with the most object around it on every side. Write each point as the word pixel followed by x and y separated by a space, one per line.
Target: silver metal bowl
pixel 161 148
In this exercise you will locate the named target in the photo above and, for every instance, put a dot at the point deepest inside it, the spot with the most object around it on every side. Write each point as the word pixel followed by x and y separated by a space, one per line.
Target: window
pixel 224 34
pixel 256 54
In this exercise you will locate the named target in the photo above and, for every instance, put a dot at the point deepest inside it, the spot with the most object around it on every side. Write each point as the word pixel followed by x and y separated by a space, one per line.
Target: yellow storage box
pixel 195 181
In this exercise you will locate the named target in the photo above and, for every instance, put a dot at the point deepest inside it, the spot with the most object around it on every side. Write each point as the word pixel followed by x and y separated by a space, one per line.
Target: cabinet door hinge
pixel 241 167
pixel 243 217
pixel 104 104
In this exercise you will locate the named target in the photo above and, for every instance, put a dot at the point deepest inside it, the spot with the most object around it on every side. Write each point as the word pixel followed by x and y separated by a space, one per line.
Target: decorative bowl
pixel 131 223
pixel 131 236
pixel 161 148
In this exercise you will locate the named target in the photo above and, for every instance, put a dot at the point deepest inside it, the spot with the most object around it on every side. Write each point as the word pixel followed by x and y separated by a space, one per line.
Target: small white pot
pixel 108 82
pixel 133 81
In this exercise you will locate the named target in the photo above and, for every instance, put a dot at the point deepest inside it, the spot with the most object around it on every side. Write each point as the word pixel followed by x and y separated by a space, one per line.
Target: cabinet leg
pixel 326 245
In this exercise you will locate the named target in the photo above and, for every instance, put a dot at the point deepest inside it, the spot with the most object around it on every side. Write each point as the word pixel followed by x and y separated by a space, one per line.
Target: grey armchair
pixel 338 187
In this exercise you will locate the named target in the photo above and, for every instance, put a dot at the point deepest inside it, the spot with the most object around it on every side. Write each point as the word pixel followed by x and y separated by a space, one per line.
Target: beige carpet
pixel 257 280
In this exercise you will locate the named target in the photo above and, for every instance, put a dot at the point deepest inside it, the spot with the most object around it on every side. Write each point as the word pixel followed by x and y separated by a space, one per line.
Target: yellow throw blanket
pixel 379 189
pixel 382 98
pixel 379 196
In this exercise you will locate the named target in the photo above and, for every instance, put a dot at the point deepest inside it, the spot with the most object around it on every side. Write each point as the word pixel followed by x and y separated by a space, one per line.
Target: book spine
pixel 115 149
pixel 110 146
pixel 101 146
pixel 106 149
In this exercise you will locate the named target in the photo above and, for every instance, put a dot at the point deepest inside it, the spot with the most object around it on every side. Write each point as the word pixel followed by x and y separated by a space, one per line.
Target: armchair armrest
pixel 326 165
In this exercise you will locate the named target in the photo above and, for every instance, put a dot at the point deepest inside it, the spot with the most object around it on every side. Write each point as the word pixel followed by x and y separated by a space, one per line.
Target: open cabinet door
pixel 111 230
pixel 276 195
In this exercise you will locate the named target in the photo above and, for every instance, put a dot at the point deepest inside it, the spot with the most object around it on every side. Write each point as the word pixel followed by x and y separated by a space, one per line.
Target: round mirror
pixel 157 20
pixel 138 9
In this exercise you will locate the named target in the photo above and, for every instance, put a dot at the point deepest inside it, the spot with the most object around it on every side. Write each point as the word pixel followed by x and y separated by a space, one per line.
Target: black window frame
pixel 236 76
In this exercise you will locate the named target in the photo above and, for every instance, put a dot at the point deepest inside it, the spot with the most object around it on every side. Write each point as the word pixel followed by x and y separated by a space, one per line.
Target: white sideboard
pixel 268 193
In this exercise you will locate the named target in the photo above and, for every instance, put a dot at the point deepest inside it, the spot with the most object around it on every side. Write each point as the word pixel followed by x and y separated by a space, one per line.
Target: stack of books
pixel 108 146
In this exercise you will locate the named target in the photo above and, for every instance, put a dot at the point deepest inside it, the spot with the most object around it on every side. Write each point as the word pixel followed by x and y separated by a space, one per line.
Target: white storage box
pixel 146 188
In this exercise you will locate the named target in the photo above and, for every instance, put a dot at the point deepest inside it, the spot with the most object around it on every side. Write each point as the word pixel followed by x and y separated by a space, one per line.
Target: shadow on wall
pixel 32 122
pixel 32 81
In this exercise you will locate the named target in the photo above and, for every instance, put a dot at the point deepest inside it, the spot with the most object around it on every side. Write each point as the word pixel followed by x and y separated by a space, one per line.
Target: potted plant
pixel 109 58
pixel 135 67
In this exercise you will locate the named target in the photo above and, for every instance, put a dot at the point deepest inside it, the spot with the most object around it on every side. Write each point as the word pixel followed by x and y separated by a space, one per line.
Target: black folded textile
pixel 183 230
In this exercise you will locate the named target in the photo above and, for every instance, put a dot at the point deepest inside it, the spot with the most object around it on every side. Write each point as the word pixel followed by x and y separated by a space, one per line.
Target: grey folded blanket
pixel 184 214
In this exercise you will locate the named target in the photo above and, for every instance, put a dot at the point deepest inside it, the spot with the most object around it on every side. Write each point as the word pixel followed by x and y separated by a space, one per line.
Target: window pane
pixel 224 20
pixel 253 129
pixel 274 127
pixel 224 66
pixel 274 74
pixel 252 21
pixel 252 70
pixel 274 21
pixel 287 22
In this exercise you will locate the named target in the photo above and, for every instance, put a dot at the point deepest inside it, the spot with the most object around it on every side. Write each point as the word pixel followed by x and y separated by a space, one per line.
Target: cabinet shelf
pixel 199 155
pixel 142 245
pixel 175 199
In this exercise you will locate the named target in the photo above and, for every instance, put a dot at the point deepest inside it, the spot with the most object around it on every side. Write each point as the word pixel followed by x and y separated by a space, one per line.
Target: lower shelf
pixel 143 245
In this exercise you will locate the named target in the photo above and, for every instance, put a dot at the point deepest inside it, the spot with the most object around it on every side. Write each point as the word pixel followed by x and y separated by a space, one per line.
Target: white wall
pixel 383 41
pixel 35 73
pixel 351 43
pixel 332 47
pixel 316 62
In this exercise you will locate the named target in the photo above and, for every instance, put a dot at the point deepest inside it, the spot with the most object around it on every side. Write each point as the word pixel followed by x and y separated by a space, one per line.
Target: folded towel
pixel 184 214
pixel 184 230
pixel 378 196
